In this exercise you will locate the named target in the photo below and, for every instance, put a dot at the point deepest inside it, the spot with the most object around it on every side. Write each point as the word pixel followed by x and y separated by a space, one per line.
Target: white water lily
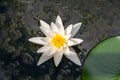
pixel 57 42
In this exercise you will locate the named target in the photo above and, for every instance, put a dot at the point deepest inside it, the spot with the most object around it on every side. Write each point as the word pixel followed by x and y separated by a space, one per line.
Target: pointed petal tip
pixel 29 39
pixel 79 64
pixel 52 23
pixel 44 57
pixel 37 40
pixel 81 41
pixel 80 23
pixel 73 57
pixel 69 29
pixel 44 24
pixel 59 20
pixel 56 65
pixel 38 51
pixel 58 16
pixel 57 58
pixel 38 64
pixel 76 28
pixel 41 21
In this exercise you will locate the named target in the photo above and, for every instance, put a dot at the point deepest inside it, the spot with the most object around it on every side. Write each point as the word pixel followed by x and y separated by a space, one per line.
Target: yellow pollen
pixel 58 41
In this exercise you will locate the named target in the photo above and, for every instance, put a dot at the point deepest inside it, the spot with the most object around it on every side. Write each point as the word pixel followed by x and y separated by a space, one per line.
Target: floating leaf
pixel 103 61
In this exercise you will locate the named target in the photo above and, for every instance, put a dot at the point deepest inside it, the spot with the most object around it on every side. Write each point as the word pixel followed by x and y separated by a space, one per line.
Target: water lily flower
pixel 57 42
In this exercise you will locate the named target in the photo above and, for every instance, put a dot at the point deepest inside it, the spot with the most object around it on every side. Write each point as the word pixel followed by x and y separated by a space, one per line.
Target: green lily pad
pixel 103 61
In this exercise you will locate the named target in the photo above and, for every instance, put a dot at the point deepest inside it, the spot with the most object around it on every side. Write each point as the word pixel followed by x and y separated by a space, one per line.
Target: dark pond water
pixel 19 22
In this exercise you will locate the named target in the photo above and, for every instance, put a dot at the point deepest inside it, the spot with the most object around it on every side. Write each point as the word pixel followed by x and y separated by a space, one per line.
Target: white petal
pixel 38 40
pixel 54 28
pixel 67 51
pixel 74 41
pixel 59 20
pixel 44 58
pixel 46 39
pixel 52 51
pixel 44 24
pixel 68 36
pixel 68 29
pixel 43 49
pixel 47 32
pixel 58 57
pixel 73 57
pixel 60 28
pixel 75 29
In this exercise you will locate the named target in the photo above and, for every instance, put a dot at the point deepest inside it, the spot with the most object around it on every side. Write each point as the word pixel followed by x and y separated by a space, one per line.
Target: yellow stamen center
pixel 58 41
